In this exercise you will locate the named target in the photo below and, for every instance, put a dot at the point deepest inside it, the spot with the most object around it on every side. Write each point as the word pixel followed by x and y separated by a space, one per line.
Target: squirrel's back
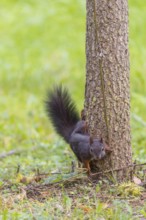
pixel 61 111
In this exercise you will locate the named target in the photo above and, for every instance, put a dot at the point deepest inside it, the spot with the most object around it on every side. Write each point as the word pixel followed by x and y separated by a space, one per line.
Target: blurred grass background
pixel 42 43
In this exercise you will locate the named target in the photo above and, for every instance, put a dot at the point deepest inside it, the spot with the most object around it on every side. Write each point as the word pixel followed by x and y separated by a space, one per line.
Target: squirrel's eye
pixel 102 149
pixel 91 149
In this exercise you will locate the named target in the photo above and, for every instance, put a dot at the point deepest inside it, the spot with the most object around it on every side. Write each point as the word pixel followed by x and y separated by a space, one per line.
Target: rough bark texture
pixel 107 94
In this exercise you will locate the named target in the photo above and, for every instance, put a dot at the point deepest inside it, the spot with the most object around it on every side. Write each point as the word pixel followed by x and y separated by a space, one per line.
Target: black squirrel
pixel 64 116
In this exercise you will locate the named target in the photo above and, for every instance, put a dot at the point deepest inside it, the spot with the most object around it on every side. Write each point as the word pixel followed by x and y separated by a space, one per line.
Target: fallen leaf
pixel 136 180
pixel 86 209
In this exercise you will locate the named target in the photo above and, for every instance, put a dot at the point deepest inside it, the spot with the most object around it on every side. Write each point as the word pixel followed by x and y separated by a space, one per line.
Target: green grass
pixel 43 42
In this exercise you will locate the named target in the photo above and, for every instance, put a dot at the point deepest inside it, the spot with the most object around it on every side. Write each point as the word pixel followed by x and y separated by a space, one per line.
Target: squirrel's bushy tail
pixel 62 111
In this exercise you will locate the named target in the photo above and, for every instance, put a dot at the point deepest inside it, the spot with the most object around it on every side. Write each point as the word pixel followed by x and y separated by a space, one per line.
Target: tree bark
pixel 107 93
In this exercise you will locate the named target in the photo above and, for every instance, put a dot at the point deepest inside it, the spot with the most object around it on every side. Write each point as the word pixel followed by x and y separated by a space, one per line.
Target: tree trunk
pixel 107 94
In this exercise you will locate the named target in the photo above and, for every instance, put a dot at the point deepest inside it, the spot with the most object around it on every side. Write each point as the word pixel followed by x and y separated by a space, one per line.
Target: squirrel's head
pixel 97 149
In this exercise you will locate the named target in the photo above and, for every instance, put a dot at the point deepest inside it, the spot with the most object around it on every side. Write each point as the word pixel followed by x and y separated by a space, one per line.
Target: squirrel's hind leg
pixel 87 166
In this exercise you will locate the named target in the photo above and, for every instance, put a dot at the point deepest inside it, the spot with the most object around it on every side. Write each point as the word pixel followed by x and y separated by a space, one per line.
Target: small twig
pixel 3 155
pixel 118 169
pixel 38 172
pixel 73 166
pixel 18 169
pixel 139 119
pixel 12 152
pixel 69 180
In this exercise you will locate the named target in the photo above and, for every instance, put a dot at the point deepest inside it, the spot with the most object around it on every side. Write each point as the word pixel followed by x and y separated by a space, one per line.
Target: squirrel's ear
pixel 91 140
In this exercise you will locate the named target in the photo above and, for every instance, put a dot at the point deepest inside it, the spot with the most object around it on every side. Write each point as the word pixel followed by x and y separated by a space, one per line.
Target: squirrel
pixel 64 117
